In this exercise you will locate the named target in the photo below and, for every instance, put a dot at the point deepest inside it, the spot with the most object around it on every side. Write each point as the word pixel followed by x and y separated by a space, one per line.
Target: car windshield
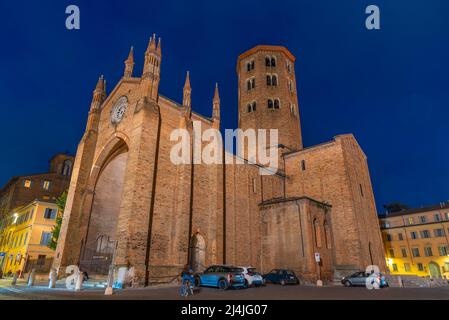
pixel 236 270
pixel 290 273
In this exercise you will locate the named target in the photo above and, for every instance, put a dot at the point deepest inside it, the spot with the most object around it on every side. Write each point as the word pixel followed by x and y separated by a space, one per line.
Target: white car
pixel 252 277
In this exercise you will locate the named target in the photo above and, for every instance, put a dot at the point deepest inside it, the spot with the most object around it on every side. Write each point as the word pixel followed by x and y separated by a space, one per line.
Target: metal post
pixel 32 278
pixel 52 278
pixel 14 278
pixel 79 281
pixel 109 291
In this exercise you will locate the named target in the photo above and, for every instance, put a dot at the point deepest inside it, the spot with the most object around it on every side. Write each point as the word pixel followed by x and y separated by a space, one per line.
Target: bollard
pixel 319 283
pixel 109 291
pixel 14 278
pixel 52 278
pixel 32 278
pixel 79 281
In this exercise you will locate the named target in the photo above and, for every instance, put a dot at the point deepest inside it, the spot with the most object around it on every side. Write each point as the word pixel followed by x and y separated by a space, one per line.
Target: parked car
pixel 281 276
pixel 252 277
pixel 221 276
pixel 358 279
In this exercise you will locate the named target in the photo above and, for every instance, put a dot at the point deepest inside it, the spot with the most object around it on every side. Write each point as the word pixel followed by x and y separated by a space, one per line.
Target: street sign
pixel 317 257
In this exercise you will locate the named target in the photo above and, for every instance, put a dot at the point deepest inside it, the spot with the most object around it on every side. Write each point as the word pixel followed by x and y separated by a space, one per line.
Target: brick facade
pixel 170 215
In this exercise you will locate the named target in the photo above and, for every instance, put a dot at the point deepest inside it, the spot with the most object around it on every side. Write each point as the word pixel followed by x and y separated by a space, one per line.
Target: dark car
pixel 358 279
pixel 222 277
pixel 281 276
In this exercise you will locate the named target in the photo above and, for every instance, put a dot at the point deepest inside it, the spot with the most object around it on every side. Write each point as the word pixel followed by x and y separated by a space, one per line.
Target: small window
pixel 407 267
pixel 274 80
pixel 292 109
pixel 267 61
pixel 276 103
pixel 268 80
pixel 395 267
pixel 404 252
pixel 289 69
pixel 273 62
pixel 415 252
pixel 270 104
pixel 439 232
pixel 361 190
pixel 46 185
pixel 443 251
pixel 254 105
pixel 420 267
pixel 437 218
pixel 303 165
pixel 423 219
pixel 410 220
pixel 413 235
pixel 248 85
pixel 45 238
pixel 253 83
pixel 389 237
pixel 252 65
pixel 400 236
pixel 50 213
pixel 425 234
pixel 27 183
pixel 249 107
pixel 428 251
pixel 391 251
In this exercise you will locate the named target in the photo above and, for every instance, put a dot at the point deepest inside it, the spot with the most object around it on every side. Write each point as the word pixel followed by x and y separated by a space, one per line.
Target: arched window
pixel 268 80
pixel 276 103
pixel 270 104
pixel 254 106
pixel 274 80
pixel 292 109
pixel 317 232
pixel 248 67
pixel 253 83
pixel 248 84
pixel 252 65
pixel 267 61
pixel 248 107
pixel 273 62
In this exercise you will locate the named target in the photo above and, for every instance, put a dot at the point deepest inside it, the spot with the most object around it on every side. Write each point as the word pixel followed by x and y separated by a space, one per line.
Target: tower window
pixel 361 190
pixel 270 104
pixel 270 61
pixel 27 183
pixel 248 85
pixel 290 85
pixel 303 165
pixel 251 106
pixel 289 69
pixel 46 185
pixel 272 80
pixel 292 109
pixel 276 103
pixel 253 83
pixel 250 66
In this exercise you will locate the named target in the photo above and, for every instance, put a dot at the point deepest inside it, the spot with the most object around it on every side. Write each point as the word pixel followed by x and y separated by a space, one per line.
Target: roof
pixel 266 48
pixel 416 210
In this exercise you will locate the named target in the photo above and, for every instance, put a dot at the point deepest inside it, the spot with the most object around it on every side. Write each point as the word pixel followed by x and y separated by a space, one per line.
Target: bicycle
pixel 186 288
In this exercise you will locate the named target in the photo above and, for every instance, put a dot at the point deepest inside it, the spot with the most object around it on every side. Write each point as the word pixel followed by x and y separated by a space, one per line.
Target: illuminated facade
pixel 417 241
pixel 24 236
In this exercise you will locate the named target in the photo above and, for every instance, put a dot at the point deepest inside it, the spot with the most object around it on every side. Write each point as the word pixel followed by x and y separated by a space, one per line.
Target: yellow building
pixel 24 236
pixel 417 241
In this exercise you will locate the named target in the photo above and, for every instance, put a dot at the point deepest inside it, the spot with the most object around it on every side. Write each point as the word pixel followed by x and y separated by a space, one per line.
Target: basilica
pixel 130 206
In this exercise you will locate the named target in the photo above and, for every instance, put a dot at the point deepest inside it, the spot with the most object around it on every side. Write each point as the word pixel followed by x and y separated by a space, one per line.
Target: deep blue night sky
pixel 389 87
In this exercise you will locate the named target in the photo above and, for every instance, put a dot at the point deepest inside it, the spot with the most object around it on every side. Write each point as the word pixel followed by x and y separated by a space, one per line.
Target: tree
pixel 60 202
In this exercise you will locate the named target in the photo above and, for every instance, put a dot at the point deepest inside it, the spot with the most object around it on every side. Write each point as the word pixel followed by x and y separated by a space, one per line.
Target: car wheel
pixel 222 284
pixel 246 284
pixel 347 284
pixel 197 282
pixel 282 282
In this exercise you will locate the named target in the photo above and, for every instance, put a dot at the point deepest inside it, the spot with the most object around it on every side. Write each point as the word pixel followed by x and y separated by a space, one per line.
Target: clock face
pixel 119 109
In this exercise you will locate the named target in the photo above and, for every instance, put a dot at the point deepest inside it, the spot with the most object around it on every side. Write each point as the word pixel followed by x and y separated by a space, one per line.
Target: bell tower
pixel 267 96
